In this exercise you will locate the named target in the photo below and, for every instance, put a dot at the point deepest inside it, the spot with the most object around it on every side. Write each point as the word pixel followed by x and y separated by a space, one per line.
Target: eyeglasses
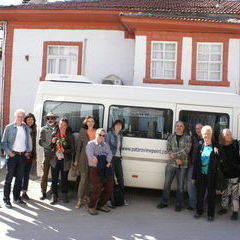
pixel 51 118
pixel 101 135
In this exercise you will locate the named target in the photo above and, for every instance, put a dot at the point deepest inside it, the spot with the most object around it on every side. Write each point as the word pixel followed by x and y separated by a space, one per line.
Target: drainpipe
pixel 2 77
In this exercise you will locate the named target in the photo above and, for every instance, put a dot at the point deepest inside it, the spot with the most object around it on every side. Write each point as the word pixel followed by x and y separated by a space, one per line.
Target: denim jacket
pixel 9 136
pixel 112 140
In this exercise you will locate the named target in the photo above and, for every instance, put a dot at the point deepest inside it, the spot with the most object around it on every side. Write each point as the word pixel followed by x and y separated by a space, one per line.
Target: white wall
pixel 233 66
pixel 107 52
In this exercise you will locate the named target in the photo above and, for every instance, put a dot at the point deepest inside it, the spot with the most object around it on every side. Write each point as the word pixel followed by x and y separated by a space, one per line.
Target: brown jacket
pixel 81 156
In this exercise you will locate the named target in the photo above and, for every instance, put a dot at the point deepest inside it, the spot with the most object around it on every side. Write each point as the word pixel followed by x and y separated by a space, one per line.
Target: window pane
pixel 157 69
pixel 203 57
pixel 169 74
pixel 215 67
pixel 157 46
pixel 51 66
pixel 218 121
pixel 203 48
pixel 53 50
pixel 202 75
pixel 215 76
pixel 74 112
pixel 143 122
pixel 169 65
pixel 216 48
pixel 202 66
pixel 157 55
pixel 170 46
pixel 170 55
pixel 62 66
pixel 215 57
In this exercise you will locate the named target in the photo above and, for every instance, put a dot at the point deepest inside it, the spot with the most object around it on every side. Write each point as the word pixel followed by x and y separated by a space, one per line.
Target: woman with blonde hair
pixel 205 173
pixel 230 167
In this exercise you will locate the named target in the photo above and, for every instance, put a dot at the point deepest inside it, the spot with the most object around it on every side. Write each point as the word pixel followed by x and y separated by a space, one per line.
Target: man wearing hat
pixel 45 141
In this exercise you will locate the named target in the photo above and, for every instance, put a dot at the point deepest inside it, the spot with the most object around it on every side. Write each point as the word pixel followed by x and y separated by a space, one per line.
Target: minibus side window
pixel 74 112
pixel 218 121
pixel 142 122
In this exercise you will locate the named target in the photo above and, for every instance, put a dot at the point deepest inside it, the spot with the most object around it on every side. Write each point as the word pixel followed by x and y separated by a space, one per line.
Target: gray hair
pixel 19 111
pixel 99 130
pixel 206 128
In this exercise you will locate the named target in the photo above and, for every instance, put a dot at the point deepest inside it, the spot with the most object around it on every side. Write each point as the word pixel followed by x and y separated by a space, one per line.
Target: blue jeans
pixel 15 168
pixel 170 173
pixel 192 192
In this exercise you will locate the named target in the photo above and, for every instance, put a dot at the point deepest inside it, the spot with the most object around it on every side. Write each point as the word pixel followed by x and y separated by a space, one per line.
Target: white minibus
pixel 149 115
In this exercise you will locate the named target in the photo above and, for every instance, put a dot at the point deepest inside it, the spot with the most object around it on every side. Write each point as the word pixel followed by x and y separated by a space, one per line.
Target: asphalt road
pixel 140 220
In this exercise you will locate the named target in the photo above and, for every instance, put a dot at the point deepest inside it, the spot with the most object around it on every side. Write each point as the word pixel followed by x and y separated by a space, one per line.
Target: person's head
pixel 19 116
pixel 179 128
pixel 100 135
pixel 198 128
pixel 51 119
pixel 30 120
pixel 89 122
pixel 117 126
pixel 63 124
pixel 207 133
pixel 226 137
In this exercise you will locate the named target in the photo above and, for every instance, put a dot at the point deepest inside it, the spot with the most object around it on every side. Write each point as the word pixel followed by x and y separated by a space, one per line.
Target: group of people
pixel 208 164
pixel 96 159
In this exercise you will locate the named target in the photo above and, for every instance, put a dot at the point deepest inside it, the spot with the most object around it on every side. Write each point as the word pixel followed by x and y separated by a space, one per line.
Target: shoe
pixel 104 209
pixel 19 201
pixel 190 208
pixel 210 219
pixel 65 198
pixel 79 203
pixel 178 208
pixel 161 205
pixel 234 216
pixel 92 211
pixel 222 211
pixel 43 197
pixel 8 204
pixel 25 196
pixel 197 215
pixel 53 199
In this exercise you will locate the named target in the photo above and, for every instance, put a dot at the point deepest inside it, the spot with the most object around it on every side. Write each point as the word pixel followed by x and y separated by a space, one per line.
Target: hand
pixel 54 140
pixel 94 160
pixel 11 154
pixel 171 155
pixel 179 162
pixel 108 165
pixel 216 150
pixel 75 164
pixel 28 155
pixel 193 181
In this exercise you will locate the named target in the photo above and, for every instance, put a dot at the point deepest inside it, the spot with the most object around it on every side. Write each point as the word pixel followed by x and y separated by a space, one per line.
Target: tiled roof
pixel 182 6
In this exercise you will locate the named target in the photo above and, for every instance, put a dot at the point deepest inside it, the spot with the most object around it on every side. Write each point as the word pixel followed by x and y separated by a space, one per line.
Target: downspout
pixel 4 28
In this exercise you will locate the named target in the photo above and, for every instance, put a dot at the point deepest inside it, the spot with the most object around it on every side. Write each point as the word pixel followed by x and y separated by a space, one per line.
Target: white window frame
pixel 164 60
pixel 60 57
pixel 209 62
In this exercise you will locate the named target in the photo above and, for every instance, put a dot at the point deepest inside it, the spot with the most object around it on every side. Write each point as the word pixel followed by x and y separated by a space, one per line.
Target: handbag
pixel 74 171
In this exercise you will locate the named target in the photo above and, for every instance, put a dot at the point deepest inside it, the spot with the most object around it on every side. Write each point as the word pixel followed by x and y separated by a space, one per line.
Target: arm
pixel 42 139
pixel 79 149
pixel 186 150
pixel 109 153
pixel 5 141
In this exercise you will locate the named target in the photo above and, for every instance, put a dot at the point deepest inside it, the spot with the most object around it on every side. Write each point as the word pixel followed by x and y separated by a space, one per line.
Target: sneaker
pixel 190 208
pixel 234 216
pixel 210 218
pixel 8 204
pixel 161 205
pixel 53 200
pixel 92 211
pixel 222 211
pixel 19 201
pixel 25 196
pixel 43 197
pixel 197 215
pixel 104 209
pixel 79 203
pixel 178 208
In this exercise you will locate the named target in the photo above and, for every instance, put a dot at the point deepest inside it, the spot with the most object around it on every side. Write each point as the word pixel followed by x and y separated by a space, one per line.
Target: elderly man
pixel 101 176
pixel 15 142
pixel 178 146
pixel 45 141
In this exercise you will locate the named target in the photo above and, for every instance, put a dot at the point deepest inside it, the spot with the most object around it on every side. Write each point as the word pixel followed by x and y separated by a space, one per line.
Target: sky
pixel 16 2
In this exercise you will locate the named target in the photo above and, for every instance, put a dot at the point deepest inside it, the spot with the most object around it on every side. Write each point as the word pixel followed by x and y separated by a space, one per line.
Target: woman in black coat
pixel 205 173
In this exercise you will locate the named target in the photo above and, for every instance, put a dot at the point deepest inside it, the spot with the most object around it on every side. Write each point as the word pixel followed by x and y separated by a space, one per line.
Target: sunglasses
pixel 51 118
pixel 91 121
pixel 101 135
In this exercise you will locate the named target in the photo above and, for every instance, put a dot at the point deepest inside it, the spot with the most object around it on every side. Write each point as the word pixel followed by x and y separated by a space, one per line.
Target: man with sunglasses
pixel 45 141
pixel 99 156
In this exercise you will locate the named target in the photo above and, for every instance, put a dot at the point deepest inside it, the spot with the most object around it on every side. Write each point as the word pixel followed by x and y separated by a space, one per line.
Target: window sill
pixel 162 81
pixel 209 83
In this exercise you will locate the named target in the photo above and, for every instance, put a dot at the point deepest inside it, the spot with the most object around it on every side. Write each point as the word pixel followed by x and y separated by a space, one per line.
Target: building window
pixel 209 61
pixel 163 60
pixel 61 58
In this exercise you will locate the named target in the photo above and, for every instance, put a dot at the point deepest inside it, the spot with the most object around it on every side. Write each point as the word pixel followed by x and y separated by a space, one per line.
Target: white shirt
pixel 118 154
pixel 20 140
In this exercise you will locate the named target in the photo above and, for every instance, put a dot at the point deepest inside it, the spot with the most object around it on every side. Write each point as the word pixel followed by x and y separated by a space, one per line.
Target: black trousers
pixel 55 175
pixel 15 168
pixel 204 185
pixel 118 171
pixel 25 181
